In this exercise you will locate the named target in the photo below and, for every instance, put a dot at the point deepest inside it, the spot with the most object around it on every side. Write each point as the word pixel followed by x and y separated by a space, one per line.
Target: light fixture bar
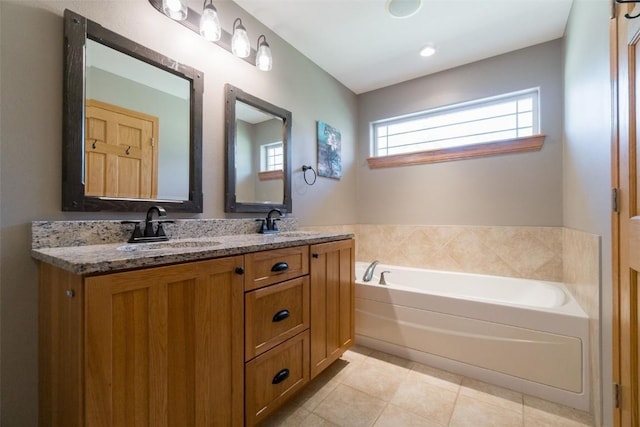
pixel 193 23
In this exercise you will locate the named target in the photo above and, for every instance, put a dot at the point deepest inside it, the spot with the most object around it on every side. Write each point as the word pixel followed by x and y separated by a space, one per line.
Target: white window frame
pixel 477 144
pixel 265 156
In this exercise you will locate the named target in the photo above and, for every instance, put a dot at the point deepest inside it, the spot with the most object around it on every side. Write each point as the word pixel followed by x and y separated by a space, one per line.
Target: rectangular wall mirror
pixel 258 154
pixel 132 124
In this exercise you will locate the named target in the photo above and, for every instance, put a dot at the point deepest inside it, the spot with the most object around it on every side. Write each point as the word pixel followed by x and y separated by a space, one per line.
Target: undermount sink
pixel 171 244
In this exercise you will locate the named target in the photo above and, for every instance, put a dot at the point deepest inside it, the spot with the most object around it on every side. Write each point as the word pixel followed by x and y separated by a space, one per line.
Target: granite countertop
pixel 111 257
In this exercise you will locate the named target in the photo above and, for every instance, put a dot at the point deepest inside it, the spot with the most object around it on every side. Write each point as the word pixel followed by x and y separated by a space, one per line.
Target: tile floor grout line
pixel 380 414
pixel 455 402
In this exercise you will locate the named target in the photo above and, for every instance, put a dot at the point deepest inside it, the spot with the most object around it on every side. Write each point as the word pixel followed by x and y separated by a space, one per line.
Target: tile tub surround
pixel 91 249
pixel 581 258
pixel 523 252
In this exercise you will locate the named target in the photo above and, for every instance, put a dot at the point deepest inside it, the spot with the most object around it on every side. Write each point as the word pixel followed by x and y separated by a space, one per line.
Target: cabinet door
pixel 164 346
pixel 332 302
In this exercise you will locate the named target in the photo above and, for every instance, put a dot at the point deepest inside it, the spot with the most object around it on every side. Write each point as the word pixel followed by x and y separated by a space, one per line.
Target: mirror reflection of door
pixel 259 156
pixel 128 83
pixel 121 152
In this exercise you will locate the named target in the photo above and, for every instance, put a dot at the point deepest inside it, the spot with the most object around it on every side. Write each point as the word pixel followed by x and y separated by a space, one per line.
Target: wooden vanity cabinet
pixel 221 342
pixel 159 346
pixel 332 280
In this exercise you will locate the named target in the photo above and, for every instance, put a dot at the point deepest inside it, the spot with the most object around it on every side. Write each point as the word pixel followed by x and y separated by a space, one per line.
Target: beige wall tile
pixel 581 273
pixel 529 252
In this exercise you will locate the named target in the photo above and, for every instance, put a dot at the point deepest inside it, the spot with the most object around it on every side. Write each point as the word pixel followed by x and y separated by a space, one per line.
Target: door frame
pixel 625 102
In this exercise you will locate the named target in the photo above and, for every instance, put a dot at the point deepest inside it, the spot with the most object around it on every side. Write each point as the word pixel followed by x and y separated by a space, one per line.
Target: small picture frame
pixel 329 146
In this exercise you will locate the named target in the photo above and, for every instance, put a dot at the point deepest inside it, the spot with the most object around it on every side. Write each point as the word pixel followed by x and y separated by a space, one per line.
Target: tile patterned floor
pixel 369 388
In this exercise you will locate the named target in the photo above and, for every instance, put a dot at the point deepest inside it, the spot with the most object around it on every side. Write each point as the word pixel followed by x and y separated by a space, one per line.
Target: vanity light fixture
pixel 175 9
pixel 240 45
pixel 264 61
pixel 210 27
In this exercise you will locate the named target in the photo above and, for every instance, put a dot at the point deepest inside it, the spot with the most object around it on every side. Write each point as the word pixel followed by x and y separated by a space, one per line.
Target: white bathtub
pixel 527 335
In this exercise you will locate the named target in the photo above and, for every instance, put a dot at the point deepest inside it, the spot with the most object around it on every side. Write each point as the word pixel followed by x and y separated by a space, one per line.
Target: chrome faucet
pixel 368 274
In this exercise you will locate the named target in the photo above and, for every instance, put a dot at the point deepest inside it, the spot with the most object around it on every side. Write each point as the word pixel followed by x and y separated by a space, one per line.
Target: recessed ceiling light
pixel 403 8
pixel 428 50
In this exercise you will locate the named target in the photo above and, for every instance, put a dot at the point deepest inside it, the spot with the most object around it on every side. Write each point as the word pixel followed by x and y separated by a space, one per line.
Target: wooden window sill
pixel 271 175
pixel 516 145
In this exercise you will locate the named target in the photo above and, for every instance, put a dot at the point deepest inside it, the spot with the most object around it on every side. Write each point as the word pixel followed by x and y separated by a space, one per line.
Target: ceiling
pixel 362 46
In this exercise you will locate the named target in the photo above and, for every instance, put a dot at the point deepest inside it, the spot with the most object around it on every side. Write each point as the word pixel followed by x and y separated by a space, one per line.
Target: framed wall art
pixel 329 145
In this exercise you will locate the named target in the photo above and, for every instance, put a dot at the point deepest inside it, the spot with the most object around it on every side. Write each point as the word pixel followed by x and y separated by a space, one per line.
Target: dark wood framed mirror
pixel 258 151
pixel 132 124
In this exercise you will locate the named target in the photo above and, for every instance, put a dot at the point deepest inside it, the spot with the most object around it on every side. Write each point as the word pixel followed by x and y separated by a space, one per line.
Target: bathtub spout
pixel 368 274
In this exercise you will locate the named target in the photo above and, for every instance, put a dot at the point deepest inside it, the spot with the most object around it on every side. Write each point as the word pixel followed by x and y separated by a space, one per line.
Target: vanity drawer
pixel 274 314
pixel 274 376
pixel 268 267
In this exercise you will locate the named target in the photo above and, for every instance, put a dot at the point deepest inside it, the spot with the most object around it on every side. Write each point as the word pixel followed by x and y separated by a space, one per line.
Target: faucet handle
pixel 274 225
pixel 263 225
pixel 160 230
pixel 137 232
pixel 383 281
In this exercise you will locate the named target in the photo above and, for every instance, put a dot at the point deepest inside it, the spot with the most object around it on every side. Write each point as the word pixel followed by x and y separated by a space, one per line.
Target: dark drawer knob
pixel 280 267
pixel 281 315
pixel 315 255
pixel 280 376
pixel 239 270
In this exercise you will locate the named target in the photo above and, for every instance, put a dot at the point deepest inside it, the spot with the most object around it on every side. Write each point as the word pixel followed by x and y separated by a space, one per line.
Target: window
pixel 507 123
pixel 271 161
pixel 271 157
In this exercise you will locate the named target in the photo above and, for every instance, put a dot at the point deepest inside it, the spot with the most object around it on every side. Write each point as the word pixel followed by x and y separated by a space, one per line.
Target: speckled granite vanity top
pixel 94 247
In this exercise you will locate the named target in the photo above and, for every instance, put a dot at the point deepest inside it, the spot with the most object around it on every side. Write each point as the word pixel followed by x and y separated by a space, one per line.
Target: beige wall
pixel 587 158
pixel 517 189
pixel 31 114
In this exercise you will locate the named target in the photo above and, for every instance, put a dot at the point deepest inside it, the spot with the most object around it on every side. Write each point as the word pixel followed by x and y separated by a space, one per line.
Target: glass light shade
pixel 175 9
pixel 264 61
pixel 210 24
pixel 240 45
